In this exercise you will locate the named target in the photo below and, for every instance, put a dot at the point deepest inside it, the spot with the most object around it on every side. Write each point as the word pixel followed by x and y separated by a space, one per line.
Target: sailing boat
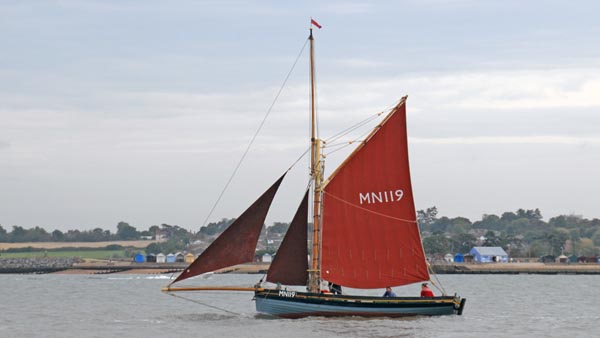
pixel 365 235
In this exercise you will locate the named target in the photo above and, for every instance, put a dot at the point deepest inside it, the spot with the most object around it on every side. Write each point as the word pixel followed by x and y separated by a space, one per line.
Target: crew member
pixel 335 288
pixel 426 291
pixel 389 292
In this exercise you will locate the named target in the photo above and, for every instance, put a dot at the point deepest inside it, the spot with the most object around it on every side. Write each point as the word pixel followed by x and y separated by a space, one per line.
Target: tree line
pixel 173 237
pixel 39 234
pixel 522 233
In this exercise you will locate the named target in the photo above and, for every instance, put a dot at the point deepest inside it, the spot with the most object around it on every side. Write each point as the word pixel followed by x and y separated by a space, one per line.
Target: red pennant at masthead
pixel 313 22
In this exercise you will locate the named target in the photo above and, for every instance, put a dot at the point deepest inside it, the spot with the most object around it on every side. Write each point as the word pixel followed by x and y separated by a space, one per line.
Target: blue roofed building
pixel 489 254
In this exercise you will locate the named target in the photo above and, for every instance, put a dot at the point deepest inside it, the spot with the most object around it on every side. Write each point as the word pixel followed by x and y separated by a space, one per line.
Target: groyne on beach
pixel 37 264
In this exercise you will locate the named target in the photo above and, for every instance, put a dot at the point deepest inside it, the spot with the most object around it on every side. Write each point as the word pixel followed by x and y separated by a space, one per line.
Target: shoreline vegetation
pixel 59 245
pixel 522 233
pixel 109 250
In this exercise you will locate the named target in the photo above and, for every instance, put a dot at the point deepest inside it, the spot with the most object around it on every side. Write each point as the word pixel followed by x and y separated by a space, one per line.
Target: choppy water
pixel 133 306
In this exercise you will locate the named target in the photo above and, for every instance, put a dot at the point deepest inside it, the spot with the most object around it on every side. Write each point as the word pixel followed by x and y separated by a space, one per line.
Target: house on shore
pixel 489 254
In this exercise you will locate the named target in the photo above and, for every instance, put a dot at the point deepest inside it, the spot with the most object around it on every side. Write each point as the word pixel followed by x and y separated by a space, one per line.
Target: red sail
pixel 370 235
pixel 290 265
pixel 237 243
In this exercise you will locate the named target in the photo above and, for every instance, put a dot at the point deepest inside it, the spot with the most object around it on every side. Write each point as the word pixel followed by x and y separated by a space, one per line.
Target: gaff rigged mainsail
pixel 370 235
pixel 237 244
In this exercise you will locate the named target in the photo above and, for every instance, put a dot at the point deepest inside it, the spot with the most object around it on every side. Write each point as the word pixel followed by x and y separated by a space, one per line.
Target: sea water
pixel 120 305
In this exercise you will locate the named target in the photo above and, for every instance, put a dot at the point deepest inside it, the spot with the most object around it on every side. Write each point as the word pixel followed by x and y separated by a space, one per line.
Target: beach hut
pixel 573 259
pixel 170 258
pixel 179 257
pixel 562 259
pixel 267 258
pixel 548 259
pixel 161 258
pixel 449 258
pixel 189 258
pixel 139 258
pixel 151 258
pixel 489 254
pixel 459 258
pixel 469 258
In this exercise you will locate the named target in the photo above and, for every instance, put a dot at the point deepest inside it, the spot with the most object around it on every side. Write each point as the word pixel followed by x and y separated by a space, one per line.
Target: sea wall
pixel 36 264
pixel 518 268
pixel 77 265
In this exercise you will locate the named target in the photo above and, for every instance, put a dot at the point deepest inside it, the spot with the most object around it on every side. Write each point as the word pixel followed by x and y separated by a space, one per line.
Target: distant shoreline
pixel 121 267
pixel 58 245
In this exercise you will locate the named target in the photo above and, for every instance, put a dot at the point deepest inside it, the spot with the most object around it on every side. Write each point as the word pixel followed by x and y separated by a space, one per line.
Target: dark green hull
pixel 291 304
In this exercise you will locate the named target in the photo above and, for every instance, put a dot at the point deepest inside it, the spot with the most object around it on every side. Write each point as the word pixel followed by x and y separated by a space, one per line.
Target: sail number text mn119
pixel 381 196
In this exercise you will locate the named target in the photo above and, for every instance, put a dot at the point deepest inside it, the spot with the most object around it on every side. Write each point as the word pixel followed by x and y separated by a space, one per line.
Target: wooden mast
pixel 317 177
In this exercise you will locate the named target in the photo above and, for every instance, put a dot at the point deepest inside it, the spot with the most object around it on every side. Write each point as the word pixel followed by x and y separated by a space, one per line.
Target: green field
pixel 99 254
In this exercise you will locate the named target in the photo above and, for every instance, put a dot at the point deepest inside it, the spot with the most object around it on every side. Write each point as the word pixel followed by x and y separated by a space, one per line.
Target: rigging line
pixel 342 145
pixel 299 158
pixel 207 305
pixel 440 287
pixel 360 124
pixel 255 134
pixel 369 211
pixel 355 126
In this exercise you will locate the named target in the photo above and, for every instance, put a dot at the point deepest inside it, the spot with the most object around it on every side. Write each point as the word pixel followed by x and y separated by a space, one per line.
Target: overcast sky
pixel 138 111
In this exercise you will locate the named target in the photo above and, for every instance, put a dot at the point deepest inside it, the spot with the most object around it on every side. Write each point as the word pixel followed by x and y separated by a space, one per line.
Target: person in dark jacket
pixel 389 292
pixel 335 288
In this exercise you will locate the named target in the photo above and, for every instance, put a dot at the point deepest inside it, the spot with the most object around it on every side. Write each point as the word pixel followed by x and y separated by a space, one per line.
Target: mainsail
pixel 237 243
pixel 370 235
pixel 290 265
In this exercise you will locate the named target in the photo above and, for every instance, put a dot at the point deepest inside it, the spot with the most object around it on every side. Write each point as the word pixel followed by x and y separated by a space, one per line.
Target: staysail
pixel 290 265
pixel 370 236
pixel 236 245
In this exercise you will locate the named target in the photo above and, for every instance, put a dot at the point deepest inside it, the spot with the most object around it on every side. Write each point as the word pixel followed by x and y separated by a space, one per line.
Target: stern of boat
pixel 459 305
